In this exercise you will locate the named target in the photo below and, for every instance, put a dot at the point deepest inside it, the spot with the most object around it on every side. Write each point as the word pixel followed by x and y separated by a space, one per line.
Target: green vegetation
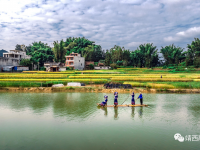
pixel 146 55
pixel 137 77
pixel 40 53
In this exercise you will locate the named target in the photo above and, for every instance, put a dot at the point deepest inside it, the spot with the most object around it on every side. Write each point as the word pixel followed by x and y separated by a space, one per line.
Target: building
pixel 12 59
pixel 16 54
pixel 54 67
pixel 8 62
pixel 87 64
pixel 75 61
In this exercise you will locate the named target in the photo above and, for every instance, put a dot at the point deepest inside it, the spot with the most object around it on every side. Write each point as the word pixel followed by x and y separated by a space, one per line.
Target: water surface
pixel 61 121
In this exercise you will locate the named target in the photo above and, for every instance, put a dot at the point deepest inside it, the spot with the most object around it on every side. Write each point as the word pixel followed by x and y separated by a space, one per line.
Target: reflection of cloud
pixel 127 23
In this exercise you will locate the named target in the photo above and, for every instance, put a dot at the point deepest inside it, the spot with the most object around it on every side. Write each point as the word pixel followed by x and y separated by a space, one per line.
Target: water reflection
pixel 105 110
pixel 133 112
pixel 140 112
pixel 71 120
pixel 116 113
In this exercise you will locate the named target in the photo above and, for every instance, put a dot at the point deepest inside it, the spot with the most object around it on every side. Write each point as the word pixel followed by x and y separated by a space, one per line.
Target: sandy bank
pixel 97 88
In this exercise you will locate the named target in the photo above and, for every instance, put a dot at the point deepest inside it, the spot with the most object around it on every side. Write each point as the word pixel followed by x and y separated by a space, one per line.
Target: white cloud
pixel 134 44
pixel 190 33
pixel 131 1
pixel 109 22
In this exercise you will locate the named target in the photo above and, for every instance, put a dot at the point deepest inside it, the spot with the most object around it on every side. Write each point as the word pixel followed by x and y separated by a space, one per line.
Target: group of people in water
pixel 116 99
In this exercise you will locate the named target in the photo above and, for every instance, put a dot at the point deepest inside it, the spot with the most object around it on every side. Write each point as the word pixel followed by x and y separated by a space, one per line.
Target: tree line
pixel 146 55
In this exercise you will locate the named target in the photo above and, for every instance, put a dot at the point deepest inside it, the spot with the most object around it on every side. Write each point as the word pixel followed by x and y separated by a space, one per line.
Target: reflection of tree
pixel 20 101
pixel 105 110
pixel 133 112
pixel 116 113
pixel 195 111
pixel 74 105
pixel 140 112
pixel 39 102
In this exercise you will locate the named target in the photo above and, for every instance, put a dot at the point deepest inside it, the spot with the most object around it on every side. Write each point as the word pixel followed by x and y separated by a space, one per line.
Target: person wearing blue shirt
pixel 115 99
pixel 105 102
pixel 132 100
pixel 141 98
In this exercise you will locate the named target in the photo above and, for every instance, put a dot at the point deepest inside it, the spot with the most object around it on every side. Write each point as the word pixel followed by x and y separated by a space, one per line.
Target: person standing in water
pixel 116 99
pixel 133 99
pixel 141 98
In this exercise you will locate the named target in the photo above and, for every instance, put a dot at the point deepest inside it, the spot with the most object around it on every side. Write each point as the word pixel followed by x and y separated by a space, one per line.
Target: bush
pixel 164 67
pixel 119 63
pixel 125 63
pixel 182 64
pixel 42 69
pixel 171 67
pixel 113 66
pixel 67 68
pixel 91 66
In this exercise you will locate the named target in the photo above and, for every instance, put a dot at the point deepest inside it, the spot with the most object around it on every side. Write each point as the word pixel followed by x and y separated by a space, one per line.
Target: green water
pixel 60 121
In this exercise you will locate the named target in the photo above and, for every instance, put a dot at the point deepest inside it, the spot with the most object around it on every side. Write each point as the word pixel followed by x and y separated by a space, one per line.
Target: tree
pixel 146 55
pixel 107 58
pixel 59 51
pixel 26 62
pixel 116 53
pixel 18 47
pixel 150 54
pixel 126 57
pixel 40 52
pixel 91 66
pixel 88 53
pixel 137 58
pixel 173 54
pixel 79 47
pixel 193 53
pixel 98 53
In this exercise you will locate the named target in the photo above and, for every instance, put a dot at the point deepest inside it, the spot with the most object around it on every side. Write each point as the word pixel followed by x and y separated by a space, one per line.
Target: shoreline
pixel 95 89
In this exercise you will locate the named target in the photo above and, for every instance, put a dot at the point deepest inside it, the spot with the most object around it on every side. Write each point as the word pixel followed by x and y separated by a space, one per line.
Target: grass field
pixel 137 77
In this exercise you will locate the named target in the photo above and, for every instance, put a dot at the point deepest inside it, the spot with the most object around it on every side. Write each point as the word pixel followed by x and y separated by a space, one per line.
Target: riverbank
pixel 97 89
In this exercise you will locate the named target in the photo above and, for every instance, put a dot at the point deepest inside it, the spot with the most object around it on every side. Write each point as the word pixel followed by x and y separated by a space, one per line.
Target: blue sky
pixel 127 23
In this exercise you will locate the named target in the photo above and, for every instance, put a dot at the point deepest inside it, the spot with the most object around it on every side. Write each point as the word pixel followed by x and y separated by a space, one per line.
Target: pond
pixel 61 121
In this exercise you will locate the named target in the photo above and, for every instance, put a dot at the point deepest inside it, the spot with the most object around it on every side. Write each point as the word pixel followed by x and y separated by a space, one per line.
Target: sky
pixel 126 23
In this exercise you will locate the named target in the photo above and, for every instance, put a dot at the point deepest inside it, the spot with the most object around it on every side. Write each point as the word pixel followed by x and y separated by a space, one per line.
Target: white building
pixel 75 61
pixel 11 59
pixel 102 67
pixel 16 54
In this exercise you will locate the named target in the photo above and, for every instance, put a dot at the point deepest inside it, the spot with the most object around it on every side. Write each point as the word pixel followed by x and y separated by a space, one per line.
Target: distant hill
pixel 2 51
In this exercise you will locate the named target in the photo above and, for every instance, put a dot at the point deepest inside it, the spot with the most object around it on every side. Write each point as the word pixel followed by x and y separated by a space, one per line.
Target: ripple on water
pixel 74 121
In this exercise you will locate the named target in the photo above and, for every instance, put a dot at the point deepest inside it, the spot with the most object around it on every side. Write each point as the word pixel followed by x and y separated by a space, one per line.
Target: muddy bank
pixel 98 88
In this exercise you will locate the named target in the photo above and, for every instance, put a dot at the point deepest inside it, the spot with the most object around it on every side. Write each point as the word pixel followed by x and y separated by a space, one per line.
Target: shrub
pixel 113 66
pixel 91 66
pixel 165 67
pixel 119 63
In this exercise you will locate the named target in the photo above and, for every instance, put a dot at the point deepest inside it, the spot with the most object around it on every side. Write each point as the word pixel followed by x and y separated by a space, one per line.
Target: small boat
pixel 125 105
